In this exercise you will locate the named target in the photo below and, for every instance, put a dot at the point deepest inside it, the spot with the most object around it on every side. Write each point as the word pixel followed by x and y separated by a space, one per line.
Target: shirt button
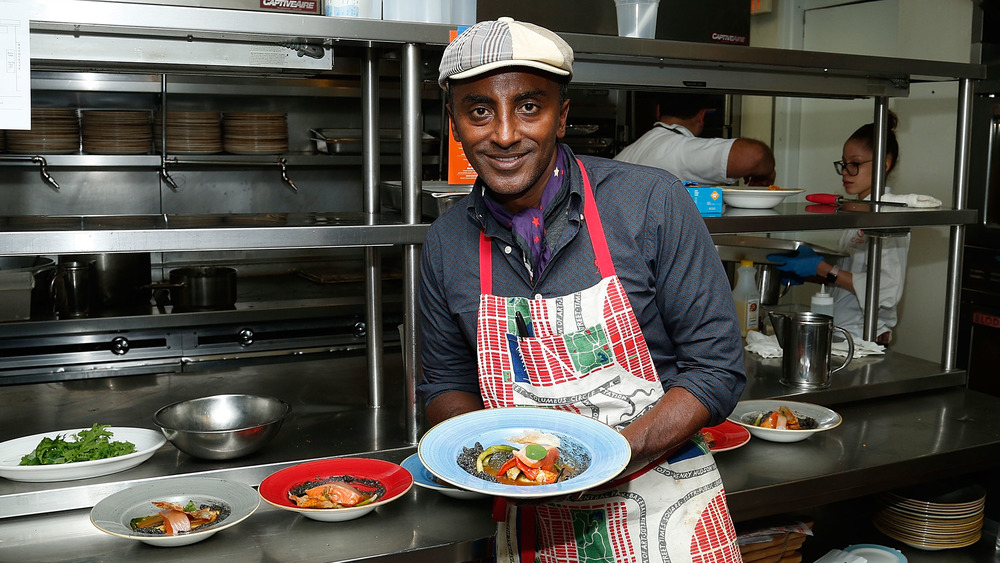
pixel 538 296
pixel 506 249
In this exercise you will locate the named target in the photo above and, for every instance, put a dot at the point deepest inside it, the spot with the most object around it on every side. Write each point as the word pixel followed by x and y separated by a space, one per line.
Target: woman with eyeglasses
pixel 848 276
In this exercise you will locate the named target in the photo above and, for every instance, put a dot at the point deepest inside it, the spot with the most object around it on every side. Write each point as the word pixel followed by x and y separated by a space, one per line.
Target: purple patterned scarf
pixel 528 225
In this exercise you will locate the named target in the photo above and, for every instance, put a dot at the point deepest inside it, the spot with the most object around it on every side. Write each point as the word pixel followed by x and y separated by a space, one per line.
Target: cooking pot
pixel 43 270
pixel 120 283
pixel 201 288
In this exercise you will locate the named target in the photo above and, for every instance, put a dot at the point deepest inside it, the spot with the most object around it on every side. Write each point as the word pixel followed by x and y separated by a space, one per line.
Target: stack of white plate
pixel 189 132
pixel 933 518
pixel 255 133
pixel 116 131
pixel 53 131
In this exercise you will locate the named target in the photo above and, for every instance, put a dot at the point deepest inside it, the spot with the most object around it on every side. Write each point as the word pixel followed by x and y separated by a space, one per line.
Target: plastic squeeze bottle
pixel 822 302
pixel 746 297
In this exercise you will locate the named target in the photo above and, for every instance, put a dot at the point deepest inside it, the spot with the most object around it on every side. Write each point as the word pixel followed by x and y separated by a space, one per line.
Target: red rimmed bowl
pixel 396 481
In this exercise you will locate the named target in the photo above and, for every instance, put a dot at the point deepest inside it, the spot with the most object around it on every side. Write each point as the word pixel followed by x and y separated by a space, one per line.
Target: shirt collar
pixel 676 128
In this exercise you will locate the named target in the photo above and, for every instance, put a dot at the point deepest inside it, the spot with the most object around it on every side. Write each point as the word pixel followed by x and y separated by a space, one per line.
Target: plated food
pixel 422 477
pixel 589 451
pixel 759 416
pixel 756 198
pixel 85 445
pixel 726 436
pixel 530 458
pixel 335 490
pixel 61 444
pixel 216 504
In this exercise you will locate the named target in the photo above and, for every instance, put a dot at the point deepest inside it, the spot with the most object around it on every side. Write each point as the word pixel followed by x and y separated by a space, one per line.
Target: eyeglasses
pixel 851 167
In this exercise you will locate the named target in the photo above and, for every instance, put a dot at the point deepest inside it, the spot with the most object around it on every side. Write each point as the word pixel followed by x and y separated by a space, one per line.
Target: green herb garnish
pixel 88 445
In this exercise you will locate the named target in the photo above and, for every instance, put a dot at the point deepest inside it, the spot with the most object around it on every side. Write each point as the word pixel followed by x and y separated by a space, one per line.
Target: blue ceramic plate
pixel 581 437
pixel 422 477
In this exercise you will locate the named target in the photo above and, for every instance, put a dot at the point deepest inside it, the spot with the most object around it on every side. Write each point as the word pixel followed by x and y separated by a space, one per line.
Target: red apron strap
pixel 485 264
pixel 604 262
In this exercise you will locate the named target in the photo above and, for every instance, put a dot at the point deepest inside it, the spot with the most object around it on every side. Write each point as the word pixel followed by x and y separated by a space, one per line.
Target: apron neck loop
pixel 605 265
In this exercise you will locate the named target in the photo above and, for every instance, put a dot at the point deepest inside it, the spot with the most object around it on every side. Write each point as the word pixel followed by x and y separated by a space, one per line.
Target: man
pixel 674 144
pixel 608 270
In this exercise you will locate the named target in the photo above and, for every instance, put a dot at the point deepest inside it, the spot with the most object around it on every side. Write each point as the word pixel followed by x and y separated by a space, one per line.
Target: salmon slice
pixel 329 495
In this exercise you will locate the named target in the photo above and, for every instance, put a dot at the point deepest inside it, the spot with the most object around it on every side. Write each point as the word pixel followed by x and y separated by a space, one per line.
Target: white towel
pixel 763 345
pixel 913 200
pixel 862 348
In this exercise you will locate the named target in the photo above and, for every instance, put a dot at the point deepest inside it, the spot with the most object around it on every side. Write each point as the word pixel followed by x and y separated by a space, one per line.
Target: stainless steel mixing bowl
pixel 221 426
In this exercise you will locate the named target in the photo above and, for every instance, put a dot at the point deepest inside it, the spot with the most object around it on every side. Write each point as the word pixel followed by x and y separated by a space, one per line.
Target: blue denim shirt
pixel 663 255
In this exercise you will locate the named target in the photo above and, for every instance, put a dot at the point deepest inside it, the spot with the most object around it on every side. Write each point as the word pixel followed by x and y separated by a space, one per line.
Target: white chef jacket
pixel 848 308
pixel 676 150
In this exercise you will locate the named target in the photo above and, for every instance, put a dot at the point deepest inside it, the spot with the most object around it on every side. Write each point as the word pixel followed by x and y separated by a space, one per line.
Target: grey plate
pixel 112 515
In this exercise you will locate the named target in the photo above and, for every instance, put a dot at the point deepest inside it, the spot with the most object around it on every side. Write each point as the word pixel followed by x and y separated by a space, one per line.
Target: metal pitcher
pixel 806 341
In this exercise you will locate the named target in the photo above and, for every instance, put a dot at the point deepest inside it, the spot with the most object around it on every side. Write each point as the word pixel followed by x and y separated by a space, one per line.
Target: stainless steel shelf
pixel 605 60
pixel 81 235
pixel 882 445
pixel 871 377
pixel 795 217
pixel 188 160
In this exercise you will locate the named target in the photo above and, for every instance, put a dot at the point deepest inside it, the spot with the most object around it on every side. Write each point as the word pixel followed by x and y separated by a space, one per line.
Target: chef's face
pixel 857 152
pixel 508 122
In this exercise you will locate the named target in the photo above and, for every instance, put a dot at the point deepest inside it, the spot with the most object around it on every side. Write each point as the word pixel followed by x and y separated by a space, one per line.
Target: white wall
pixel 808 134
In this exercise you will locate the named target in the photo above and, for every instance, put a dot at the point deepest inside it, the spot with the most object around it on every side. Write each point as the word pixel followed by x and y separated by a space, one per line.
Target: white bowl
pixel 755 198
pixel 746 411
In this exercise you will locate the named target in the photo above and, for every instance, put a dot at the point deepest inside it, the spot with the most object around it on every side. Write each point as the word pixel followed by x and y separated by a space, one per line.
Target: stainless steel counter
pixel 883 443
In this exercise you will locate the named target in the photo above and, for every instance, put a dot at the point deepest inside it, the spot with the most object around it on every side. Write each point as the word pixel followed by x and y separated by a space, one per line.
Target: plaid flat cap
pixel 490 45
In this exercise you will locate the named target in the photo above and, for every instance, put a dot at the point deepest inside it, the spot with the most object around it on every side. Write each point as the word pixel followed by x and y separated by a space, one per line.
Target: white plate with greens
pixel 146 443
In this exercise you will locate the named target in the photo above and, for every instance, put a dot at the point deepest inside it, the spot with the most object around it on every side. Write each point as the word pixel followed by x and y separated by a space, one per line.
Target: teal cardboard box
pixel 707 198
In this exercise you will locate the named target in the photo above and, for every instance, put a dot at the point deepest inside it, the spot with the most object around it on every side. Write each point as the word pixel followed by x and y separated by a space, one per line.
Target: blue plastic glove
pixel 802 264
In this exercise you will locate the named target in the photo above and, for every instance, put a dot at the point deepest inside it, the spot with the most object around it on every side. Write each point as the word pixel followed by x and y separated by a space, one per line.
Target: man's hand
pixel 452 403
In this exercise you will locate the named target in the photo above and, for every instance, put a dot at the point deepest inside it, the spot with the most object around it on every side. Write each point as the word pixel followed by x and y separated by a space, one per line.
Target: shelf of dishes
pixel 190 135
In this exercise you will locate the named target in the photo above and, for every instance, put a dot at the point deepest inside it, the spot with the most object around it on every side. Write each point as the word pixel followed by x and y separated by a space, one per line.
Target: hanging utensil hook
pixel 166 175
pixel 43 169
pixel 284 174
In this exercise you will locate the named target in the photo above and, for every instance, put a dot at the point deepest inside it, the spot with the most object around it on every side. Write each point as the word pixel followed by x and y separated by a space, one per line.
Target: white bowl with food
pixel 778 420
pixel 756 198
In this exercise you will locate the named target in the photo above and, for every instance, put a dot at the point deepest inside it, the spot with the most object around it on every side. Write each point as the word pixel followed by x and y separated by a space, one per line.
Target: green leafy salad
pixel 87 445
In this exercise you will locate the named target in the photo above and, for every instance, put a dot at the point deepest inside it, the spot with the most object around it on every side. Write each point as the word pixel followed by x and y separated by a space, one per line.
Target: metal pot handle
pixel 850 350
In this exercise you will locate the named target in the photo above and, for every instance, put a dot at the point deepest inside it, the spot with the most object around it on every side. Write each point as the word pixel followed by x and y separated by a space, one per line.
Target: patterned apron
pixel 585 353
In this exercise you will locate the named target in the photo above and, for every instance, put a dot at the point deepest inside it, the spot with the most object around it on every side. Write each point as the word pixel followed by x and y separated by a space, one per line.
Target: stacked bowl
pixel 116 131
pixel 53 131
pixel 255 133
pixel 933 518
pixel 189 132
